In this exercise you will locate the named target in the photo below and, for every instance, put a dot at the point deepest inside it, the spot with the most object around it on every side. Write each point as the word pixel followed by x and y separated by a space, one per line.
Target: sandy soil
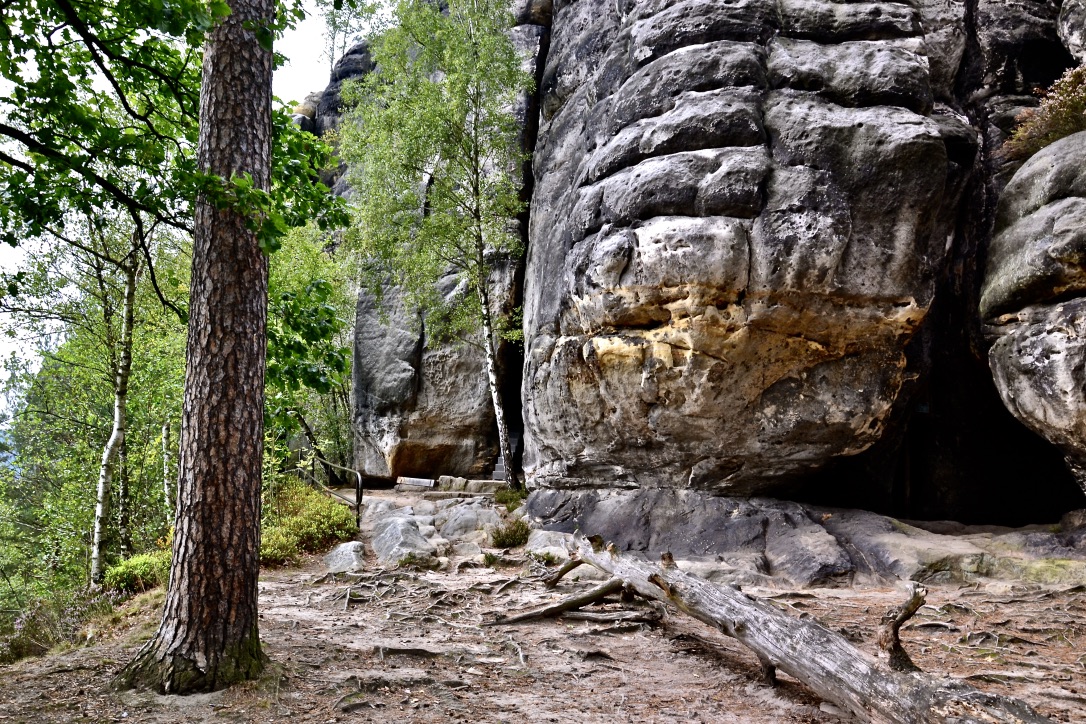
pixel 409 647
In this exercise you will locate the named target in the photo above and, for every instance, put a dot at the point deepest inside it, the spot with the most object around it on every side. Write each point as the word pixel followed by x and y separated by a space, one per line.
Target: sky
pixel 307 69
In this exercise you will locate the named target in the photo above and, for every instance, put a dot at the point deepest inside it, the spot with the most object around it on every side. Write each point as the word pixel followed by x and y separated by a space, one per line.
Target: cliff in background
pixel 757 241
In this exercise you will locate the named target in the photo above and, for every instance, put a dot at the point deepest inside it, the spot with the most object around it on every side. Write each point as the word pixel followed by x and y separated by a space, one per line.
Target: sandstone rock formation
pixel 1072 27
pixel 1034 297
pixel 739 213
pixel 423 408
pixel 419 410
pixel 764 542
pixel 757 241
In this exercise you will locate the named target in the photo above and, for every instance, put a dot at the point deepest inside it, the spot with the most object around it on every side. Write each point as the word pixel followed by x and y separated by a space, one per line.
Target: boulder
pixel 739 213
pixel 770 542
pixel 419 411
pixel 398 538
pixel 549 543
pixel 463 520
pixel 346 557
pixel 1072 27
pixel 1034 297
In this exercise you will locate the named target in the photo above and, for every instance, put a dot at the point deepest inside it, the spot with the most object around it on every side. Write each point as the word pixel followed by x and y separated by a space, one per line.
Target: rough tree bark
pixel 114 447
pixel 822 659
pixel 208 636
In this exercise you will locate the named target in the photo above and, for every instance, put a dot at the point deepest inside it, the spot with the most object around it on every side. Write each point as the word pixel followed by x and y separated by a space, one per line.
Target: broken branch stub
pixel 890 647
pixel 821 659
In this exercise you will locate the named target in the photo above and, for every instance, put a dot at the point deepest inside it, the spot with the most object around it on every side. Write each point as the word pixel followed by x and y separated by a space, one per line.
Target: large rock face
pixel 420 410
pixel 422 407
pixel 757 242
pixel 739 213
pixel 1034 297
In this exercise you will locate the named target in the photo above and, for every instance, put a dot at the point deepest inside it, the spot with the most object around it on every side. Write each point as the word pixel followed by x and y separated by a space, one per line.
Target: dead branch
pixel 890 647
pixel 821 659
pixel 645 616
pixel 556 609
pixel 552 580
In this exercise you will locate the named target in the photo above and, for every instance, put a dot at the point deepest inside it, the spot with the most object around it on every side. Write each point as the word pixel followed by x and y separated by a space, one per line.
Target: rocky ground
pixel 410 645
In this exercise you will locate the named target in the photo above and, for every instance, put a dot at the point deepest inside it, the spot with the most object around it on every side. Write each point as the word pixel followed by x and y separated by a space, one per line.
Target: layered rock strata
pixel 1034 297
pixel 419 408
pixel 739 212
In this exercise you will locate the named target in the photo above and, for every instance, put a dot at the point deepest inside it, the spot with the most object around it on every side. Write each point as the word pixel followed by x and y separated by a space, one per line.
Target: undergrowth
pixel 139 573
pixel 1062 111
pixel 511 498
pixel 418 563
pixel 46 623
pixel 511 535
pixel 298 520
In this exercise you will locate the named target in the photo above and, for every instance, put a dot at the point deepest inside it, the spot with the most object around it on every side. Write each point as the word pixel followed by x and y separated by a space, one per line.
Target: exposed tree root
pixel 890 647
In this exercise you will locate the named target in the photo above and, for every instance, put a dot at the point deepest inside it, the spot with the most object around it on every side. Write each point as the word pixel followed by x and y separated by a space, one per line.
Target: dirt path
pixel 408 647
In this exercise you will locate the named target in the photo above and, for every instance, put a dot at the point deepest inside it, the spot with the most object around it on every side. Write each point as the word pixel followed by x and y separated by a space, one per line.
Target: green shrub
pixel 278 547
pixel 547 559
pixel 510 498
pixel 511 535
pixel 302 520
pixel 418 563
pixel 1062 111
pixel 139 573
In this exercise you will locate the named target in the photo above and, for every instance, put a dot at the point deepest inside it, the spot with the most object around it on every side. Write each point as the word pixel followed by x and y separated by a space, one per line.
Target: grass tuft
pixel 511 535
pixel 510 498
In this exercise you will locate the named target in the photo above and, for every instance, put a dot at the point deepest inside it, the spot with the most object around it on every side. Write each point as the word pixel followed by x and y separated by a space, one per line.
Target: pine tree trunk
pixel 115 445
pixel 208 637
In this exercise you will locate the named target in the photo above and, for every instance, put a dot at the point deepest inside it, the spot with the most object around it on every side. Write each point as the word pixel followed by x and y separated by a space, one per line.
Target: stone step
pixel 446 482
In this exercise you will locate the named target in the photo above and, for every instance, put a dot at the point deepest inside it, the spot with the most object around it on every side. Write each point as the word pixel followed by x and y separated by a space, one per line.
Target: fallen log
pixel 819 658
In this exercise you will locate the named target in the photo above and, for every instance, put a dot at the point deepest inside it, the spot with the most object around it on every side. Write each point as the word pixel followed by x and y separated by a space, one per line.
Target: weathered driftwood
pixel 567 604
pixel 822 659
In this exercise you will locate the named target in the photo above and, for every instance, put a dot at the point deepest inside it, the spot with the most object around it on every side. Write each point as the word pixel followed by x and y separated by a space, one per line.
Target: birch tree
pixel 120 357
pixel 434 147
pixel 92 333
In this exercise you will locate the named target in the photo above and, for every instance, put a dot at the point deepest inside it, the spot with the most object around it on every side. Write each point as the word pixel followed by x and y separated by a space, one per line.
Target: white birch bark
pixel 120 417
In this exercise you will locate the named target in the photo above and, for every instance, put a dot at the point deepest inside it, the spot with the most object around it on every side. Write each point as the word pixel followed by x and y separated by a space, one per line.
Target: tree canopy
pixel 99 103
